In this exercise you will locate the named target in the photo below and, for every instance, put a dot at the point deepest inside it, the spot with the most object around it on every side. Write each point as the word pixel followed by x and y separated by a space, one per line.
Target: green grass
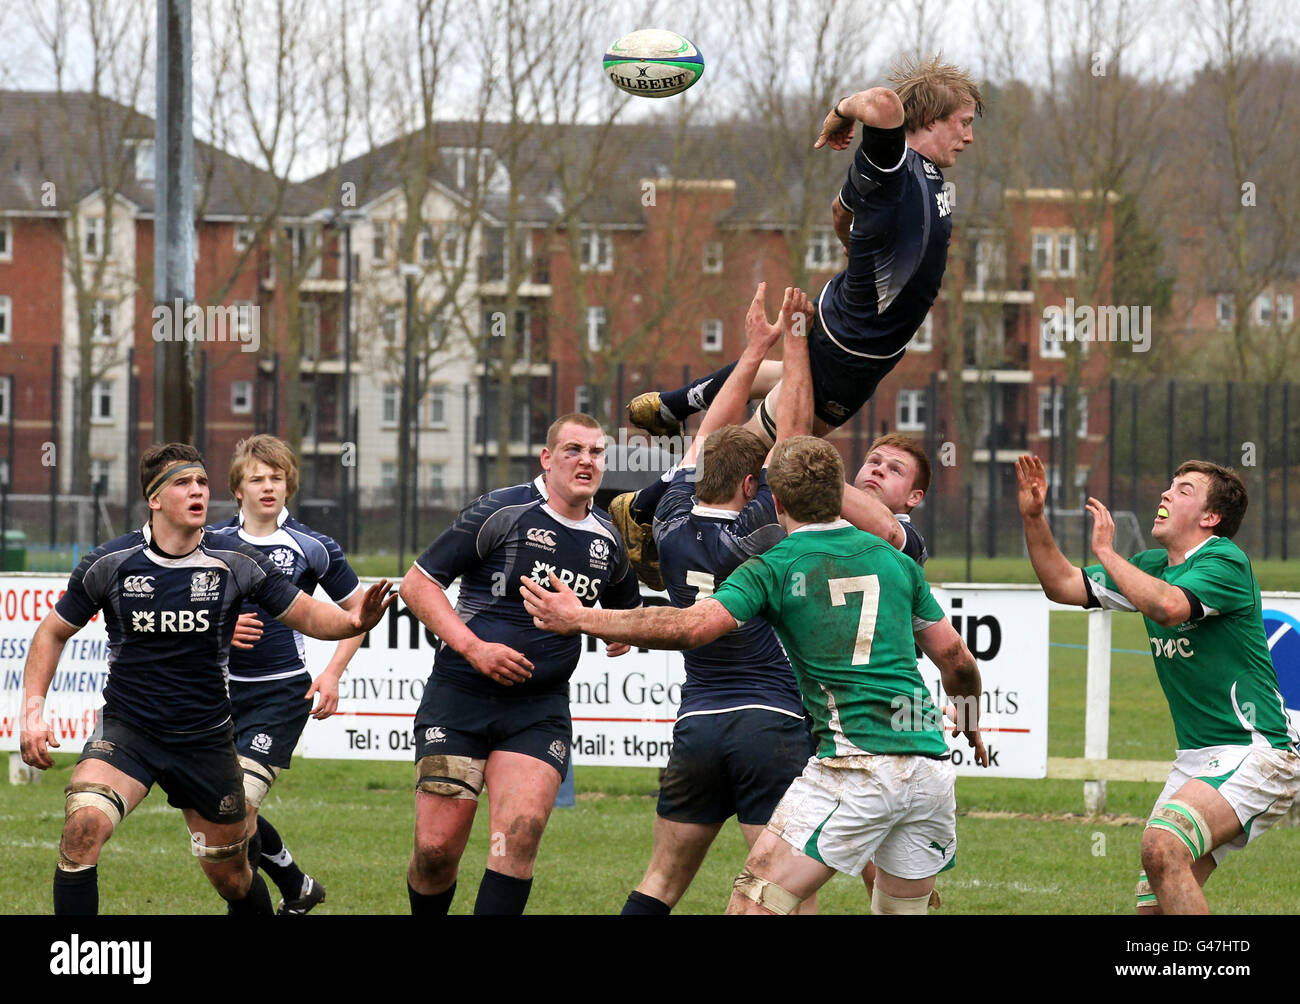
pixel 350 824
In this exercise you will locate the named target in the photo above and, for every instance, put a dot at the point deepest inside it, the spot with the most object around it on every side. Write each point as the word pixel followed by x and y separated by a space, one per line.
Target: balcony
pixel 492 268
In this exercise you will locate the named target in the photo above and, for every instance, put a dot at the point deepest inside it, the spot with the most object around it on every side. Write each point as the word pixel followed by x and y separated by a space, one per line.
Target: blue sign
pixel 1283 633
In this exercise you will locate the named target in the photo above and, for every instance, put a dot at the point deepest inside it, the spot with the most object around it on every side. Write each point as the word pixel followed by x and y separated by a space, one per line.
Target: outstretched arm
pixel 1062 581
pixel 331 623
pixel 794 406
pixel 729 407
pixel 559 610
pixel 1165 604
pixel 867 512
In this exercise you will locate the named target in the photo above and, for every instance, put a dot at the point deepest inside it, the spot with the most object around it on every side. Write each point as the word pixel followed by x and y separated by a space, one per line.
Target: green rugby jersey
pixel 1215 668
pixel 845 604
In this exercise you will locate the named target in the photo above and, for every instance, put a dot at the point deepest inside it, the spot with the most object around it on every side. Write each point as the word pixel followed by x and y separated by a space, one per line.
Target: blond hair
pixel 270 450
pixel 931 89
pixel 574 418
pixel 806 475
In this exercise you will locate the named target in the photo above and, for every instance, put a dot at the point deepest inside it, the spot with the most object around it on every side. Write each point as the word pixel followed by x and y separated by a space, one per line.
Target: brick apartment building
pixel 641 281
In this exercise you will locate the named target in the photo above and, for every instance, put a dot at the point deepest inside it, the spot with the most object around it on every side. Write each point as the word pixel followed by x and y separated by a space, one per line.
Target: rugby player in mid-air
pixel 1236 771
pixel 270 689
pixel 170 594
pixel 849 609
pixel 495 712
pixel 893 215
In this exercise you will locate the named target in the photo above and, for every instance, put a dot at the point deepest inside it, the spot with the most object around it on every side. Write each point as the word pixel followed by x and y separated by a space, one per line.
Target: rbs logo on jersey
pixel 142 621
pixel 583 587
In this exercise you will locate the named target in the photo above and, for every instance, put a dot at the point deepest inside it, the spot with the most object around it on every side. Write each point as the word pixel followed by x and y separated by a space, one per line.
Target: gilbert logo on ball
pixel 653 63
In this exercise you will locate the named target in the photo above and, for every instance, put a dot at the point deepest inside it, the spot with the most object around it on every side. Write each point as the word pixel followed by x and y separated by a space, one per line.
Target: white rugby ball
pixel 653 63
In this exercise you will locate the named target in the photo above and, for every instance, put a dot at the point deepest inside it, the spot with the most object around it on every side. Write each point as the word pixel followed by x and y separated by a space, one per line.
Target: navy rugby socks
pixel 696 395
pixel 76 894
pixel 435 905
pixel 640 905
pixel 502 894
pixel 277 862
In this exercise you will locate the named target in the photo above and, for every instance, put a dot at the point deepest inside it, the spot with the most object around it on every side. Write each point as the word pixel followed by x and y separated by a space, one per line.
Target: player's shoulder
pixel 225 547
pixel 309 537
pixel 602 524
pixel 1151 561
pixel 1225 549
pixel 225 525
pixel 113 552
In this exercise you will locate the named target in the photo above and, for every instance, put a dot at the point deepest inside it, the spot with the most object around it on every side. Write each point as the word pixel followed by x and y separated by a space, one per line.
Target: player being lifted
pixel 271 690
pixel 495 711
pixel 893 216
pixel 741 736
pixel 1236 771
pixel 170 594
pixel 849 609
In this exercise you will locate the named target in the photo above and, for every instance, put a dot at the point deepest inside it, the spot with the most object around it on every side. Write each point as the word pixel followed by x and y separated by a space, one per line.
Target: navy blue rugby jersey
pixel 898 250
pixel 913 543
pixel 699 546
pixel 169 624
pixel 497 540
pixel 307 558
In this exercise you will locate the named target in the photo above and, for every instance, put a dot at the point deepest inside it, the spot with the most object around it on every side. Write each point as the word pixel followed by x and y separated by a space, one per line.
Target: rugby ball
pixel 653 63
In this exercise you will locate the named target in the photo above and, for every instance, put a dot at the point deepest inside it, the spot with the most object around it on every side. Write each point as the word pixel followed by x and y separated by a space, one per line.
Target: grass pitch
pixel 1024 846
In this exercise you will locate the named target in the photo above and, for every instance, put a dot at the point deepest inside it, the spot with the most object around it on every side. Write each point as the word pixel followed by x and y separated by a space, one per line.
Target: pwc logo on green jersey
pixel 1170 647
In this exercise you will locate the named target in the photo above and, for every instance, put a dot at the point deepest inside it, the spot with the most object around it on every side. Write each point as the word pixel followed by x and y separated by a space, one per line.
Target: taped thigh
pixel 767 415
pixel 1184 822
pixel 884 904
pixel 765 893
pixel 450 776
pixel 258 778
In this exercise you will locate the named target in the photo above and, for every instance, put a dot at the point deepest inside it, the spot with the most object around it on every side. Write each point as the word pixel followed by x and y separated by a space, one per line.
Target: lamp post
pixel 409 273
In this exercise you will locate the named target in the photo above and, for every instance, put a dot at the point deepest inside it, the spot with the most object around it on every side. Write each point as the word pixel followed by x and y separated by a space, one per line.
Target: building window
pixel 6 318
pixel 1042 253
pixel 94 237
pixel 379 243
pixel 1065 254
pixel 437 478
pixel 712 336
pixel 1285 308
pixel 1223 309
pixel 241 397
pixel 426 244
pixel 988 265
pixel 923 340
pixel 713 257
pixel 391 404
pixel 596 328
pixel 438 404
pixel 596 252
pixel 100 473
pixel 6 384
pixel 822 247
pixel 582 399
pixel 101 406
pixel 1264 309
pixel 145 164
pixel 1049 412
pixel 309 330
pixel 4 475
pixel 1051 337
pixel 453 245
pixel 6 241
pixel 389 322
pixel 911 410
pixel 245 235
pixel 387 476
pixel 102 322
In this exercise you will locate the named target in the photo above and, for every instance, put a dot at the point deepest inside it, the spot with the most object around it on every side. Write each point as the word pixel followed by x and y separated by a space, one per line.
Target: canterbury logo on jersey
pixel 1170 647
pixel 138 585
pixel 538 535
pixel 145 621
pixel 583 587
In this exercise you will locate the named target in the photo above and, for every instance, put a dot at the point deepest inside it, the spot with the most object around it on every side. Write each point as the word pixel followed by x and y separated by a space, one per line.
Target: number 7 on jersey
pixel 869 587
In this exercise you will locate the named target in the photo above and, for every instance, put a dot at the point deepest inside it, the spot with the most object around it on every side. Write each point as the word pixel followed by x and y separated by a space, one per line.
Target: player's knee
pixel 231 879
pixel 434 860
pixel 1175 836
pixel 91 813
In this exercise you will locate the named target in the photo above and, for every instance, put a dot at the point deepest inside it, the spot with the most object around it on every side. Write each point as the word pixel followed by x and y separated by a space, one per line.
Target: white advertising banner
pixel 623 709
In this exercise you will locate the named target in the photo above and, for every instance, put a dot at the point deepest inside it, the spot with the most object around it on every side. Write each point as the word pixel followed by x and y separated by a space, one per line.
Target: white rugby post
pixel 1096 723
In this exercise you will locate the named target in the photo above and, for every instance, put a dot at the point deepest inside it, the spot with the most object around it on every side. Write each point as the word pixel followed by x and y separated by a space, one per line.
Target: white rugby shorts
pixel 898 810
pixel 1259 782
